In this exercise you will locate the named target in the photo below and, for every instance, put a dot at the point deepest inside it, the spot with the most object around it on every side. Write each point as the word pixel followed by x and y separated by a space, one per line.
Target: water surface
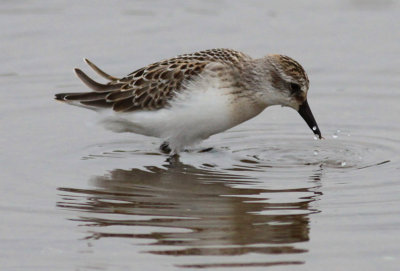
pixel 268 196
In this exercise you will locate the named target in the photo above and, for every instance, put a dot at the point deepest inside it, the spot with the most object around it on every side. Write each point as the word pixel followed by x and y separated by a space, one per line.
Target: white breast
pixel 205 107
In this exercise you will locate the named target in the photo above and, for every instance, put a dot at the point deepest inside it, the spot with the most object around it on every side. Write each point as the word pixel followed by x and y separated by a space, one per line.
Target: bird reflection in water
pixel 221 213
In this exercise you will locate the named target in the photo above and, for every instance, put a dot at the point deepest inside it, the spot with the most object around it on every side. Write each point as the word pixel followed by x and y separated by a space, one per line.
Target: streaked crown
pixel 290 70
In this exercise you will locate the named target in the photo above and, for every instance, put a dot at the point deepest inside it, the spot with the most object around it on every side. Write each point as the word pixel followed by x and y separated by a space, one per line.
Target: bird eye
pixel 294 88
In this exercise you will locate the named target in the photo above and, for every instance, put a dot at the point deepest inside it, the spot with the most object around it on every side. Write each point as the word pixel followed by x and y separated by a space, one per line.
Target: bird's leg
pixel 173 159
pixel 164 147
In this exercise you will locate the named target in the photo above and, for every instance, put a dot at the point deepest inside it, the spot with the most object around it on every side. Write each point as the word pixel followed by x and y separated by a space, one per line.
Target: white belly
pixel 201 110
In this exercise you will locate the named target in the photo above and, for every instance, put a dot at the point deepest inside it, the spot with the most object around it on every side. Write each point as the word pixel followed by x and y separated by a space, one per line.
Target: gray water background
pixel 74 196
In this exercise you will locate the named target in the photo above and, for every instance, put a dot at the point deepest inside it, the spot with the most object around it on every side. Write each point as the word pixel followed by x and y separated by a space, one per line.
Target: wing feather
pixel 151 87
pixel 100 72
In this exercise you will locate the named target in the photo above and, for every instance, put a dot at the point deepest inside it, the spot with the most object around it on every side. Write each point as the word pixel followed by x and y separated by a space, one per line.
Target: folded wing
pixel 148 88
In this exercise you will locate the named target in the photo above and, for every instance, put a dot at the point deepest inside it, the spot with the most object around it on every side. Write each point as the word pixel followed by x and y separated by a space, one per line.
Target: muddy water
pixel 268 196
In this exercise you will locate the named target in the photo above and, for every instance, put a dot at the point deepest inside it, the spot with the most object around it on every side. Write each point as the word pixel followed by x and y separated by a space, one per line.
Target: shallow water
pixel 268 196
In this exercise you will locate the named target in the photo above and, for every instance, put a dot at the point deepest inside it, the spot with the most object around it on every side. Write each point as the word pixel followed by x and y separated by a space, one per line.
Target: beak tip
pixel 317 132
pixel 318 136
pixel 306 114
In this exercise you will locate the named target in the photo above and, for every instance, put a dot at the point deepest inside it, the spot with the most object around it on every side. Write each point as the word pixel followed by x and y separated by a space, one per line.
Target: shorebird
pixel 188 98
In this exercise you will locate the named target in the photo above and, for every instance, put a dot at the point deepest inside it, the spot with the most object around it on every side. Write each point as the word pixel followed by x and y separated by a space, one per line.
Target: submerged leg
pixel 164 147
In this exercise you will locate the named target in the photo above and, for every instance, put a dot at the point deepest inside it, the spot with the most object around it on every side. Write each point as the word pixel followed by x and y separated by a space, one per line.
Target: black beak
pixel 306 114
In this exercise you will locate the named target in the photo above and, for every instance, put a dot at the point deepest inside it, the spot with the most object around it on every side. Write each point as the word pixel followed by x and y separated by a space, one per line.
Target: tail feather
pixel 97 103
pixel 98 98
pixel 81 96
pixel 96 86
pixel 90 100
pixel 101 72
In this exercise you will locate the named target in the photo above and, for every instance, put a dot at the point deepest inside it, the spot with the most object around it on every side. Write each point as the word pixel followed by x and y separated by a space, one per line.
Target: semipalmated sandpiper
pixel 190 97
